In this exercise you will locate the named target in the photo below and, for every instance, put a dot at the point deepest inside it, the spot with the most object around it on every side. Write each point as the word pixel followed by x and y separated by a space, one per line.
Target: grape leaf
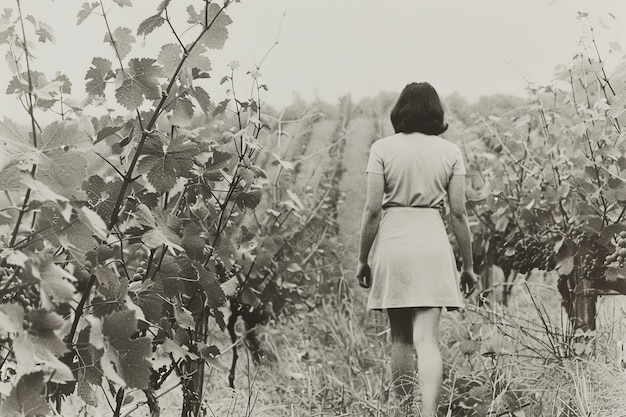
pixel 164 167
pixel 88 368
pixel 42 30
pixel 123 3
pixel 121 41
pixel 26 398
pixel 33 355
pixel 183 111
pixel 150 24
pixel 149 297
pixel 249 199
pixel 183 317
pixel 7 28
pixel 214 293
pixel 85 11
pixel 139 81
pixel 43 324
pixel 159 231
pixel 178 353
pixel 203 99
pixel 11 318
pixel 130 354
pixel 97 76
pixel 171 272
pixel 193 242
pixel 163 5
pixel 66 84
pixel 102 195
pixel 216 36
pixel 45 91
pixel 73 235
pixel 112 287
pixel 171 55
pixel 107 131
pixel 197 59
pixel 55 281
pixel 221 107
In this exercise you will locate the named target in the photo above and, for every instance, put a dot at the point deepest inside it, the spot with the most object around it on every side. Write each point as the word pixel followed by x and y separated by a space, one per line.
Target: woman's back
pixel 417 168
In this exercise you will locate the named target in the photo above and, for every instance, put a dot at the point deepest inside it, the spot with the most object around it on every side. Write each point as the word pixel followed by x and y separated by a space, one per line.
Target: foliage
pixel 546 179
pixel 114 279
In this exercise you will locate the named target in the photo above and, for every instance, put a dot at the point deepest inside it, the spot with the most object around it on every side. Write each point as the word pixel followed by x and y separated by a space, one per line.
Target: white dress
pixel 412 260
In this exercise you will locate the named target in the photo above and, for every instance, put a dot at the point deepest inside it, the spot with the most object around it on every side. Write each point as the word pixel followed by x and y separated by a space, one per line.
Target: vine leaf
pixel 11 318
pixel 85 11
pixel 55 281
pixel 158 228
pixel 183 111
pixel 101 194
pixel 123 3
pixel 42 30
pixel 107 131
pixel 130 355
pixel 178 353
pixel 149 296
pixel 164 165
pixel 216 36
pixel 112 287
pixel 66 84
pixel 203 99
pixel 72 234
pixel 150 24
pixel 43 324
pixel 193 242
pixel 249 199
pixel 163 5
pixel 138 82
pixel 183 316
pixel 26 398
pixel 88 368
pixel 34 355
pixel 121 41
pixel 97 76
pixel 171 55
pixel 214 293
pixel 6 25
pixel 221 107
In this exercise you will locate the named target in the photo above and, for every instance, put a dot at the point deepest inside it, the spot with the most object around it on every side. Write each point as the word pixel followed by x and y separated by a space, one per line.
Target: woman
pixel 413 272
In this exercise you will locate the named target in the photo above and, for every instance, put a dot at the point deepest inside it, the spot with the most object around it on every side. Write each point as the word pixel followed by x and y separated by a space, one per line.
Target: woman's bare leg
pixel 429 363
pixel 402 351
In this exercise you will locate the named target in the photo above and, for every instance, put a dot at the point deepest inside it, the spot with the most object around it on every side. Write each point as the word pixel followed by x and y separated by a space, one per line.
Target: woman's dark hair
pixel 418 109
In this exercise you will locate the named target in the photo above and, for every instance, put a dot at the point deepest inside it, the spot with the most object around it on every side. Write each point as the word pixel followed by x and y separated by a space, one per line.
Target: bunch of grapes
pixel 526 254
pixel 619 255
pixel 592 254
pixel 26 296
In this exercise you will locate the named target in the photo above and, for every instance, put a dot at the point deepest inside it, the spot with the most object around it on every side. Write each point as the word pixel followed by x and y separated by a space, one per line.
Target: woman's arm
pixel 458 219
pixel 461 230
pixel 371 214
pixel 369 224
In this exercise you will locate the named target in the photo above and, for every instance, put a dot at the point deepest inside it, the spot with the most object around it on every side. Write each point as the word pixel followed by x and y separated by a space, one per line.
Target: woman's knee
pixel 426 327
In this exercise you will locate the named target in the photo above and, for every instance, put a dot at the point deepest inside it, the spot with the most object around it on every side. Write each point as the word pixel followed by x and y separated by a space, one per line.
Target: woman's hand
pixel 468 282
pixel 364 275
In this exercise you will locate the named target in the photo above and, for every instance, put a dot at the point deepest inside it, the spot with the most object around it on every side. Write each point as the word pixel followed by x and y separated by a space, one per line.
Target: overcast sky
pixel 331 47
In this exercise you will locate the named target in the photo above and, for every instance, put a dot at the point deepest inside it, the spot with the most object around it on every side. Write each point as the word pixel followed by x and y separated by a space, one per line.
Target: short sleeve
pixel 458 165
pixel 375 161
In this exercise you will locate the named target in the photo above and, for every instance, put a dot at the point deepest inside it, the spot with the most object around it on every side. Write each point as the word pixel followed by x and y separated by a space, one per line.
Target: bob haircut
pixel 418 109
